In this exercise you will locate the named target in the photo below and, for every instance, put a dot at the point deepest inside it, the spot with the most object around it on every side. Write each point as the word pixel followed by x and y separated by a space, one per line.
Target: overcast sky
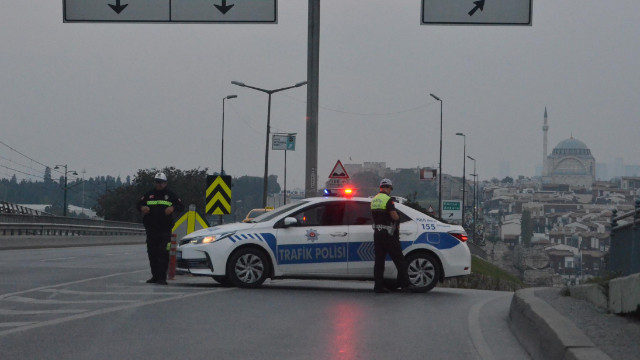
pixel 114 98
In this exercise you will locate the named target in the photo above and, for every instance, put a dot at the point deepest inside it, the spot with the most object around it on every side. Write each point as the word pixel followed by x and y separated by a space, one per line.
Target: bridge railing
pixel 624 251
pixel 50 225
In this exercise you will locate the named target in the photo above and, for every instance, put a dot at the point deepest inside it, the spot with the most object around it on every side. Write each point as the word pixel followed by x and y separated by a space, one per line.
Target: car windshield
pixel 272 214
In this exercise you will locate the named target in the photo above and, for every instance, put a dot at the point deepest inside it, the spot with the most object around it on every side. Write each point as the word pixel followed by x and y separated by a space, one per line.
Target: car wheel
pixel 247 268
pixel 222 280
pixel 423 271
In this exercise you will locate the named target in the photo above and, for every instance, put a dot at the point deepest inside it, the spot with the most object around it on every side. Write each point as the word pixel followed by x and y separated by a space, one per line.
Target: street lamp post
pixel 222 151
pixel 464 171
pixel 64 210
pixel 266 147
pixel 475 203
pixel 440 164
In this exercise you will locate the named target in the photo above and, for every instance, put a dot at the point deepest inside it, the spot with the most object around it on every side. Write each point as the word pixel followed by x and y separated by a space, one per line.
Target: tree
pixel 526 228
pixel 507 180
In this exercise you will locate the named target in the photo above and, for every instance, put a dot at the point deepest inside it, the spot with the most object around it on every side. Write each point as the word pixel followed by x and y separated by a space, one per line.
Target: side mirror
pixel 290 221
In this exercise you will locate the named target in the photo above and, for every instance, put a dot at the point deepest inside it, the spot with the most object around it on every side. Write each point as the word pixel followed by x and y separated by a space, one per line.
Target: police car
pixel 325 238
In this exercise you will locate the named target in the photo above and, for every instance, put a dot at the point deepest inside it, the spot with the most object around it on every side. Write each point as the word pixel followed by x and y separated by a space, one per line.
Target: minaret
pixel 545 129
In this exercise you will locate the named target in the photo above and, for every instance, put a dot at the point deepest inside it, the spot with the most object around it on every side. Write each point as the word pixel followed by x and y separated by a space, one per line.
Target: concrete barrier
pixel 624 294
pixel 545 333
pixel 593 293
pixel 38 242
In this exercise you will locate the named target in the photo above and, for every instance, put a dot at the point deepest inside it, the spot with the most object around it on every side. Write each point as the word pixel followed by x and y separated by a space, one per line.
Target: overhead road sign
pixel 476 12
pixel 171 11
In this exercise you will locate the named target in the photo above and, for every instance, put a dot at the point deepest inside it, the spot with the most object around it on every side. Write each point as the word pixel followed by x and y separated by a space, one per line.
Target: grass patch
pixel 482 267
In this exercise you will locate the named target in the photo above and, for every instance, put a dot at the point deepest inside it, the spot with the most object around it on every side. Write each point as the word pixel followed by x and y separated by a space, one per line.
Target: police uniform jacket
pixel 157 201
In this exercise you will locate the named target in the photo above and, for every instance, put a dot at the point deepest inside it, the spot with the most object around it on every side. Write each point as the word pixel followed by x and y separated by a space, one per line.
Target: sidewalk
pixel 552 326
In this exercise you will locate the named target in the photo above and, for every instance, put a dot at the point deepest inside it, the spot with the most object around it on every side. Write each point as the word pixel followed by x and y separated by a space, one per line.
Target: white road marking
pixel 27 300
pixel 476 331
pixel 4 296
pixel 14 324
pixel 109 310
pixel 102 293
pixel 58 259
pixel 40 312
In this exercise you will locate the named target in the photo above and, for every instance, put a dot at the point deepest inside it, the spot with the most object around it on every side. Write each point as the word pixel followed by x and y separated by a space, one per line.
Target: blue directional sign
pixel 476 12
pixel 171 11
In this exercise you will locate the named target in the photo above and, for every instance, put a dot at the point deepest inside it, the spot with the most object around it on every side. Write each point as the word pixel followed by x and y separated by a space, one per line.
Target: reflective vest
pixel 380 201
pixel 381 218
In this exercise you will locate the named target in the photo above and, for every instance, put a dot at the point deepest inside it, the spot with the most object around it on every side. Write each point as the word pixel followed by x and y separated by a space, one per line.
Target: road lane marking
pixel 101 293
pixel 14 324
pixel 28 300
pixel 58 259
pixel 40 312
pixel 475 330
pixel 4 296
pixel 109 310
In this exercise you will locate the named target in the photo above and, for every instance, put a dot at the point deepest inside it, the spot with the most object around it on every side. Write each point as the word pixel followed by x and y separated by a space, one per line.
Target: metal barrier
pixel 624 252
pixel 50 225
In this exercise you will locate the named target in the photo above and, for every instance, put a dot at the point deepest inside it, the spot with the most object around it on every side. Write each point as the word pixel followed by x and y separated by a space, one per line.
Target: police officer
pixel 157 207
pixel 386 238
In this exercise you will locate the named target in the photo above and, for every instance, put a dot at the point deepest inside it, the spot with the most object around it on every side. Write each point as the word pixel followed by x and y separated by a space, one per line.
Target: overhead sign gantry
pixel 171 11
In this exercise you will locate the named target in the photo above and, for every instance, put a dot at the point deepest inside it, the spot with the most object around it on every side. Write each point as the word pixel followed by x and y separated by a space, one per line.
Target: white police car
pixel 323 238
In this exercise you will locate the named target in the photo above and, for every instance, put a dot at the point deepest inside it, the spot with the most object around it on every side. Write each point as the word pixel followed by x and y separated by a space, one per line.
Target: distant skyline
pixel 111 99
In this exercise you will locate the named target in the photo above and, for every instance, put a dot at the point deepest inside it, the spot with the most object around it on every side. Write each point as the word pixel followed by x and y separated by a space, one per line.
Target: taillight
pixel 459 236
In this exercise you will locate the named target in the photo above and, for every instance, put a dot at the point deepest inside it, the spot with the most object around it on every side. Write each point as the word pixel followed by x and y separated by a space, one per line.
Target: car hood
pixel 221 229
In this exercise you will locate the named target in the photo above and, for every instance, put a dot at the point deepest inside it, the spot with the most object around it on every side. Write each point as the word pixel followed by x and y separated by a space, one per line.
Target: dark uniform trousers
pixel 158 253
pixel 384 244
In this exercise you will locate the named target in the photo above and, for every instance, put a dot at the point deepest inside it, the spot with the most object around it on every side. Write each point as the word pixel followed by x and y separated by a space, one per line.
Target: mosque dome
pixel 571 147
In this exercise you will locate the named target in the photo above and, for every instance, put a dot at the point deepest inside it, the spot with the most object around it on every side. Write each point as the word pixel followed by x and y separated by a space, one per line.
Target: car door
pixel 316 243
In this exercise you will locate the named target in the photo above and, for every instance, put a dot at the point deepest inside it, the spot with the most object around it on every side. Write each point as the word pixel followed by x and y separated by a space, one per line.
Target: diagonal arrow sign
pixel 479 5
pixel 117 7
pixel 224 8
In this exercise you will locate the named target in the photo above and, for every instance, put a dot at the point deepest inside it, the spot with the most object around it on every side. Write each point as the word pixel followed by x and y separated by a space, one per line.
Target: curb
pixel 545 333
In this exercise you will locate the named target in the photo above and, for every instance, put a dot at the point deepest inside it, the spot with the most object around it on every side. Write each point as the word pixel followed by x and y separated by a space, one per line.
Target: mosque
pixel 570 162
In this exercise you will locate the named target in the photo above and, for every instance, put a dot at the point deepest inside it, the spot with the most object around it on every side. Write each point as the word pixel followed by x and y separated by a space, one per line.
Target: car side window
pixel 325 214
pixel 403 217
pixel 359 213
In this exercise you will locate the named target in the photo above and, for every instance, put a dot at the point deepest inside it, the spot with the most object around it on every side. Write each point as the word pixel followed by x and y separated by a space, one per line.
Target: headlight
pixel 209 238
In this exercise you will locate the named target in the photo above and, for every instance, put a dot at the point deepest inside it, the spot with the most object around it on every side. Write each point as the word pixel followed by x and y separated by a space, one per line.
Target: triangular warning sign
pixel 338 172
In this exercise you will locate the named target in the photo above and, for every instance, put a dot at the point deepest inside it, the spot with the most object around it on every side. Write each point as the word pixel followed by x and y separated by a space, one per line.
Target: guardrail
pixel 624 251
pixel 50 225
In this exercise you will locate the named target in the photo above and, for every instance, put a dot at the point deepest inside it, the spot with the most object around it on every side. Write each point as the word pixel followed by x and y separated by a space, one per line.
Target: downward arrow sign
pixel 224 8
pixel 117 7
pixel 479 5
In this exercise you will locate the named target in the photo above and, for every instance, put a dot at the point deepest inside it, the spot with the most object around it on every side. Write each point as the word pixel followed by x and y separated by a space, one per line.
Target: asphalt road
pixel 93 303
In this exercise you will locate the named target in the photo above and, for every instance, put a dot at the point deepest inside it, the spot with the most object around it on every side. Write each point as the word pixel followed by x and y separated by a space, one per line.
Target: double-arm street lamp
pixel 64 211
pixel 464 171
pixel 440 164
pixel 475 202
pixel 266 147
pixel 222 152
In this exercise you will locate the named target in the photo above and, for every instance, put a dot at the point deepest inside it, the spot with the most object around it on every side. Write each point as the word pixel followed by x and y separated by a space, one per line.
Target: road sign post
pixel 451 210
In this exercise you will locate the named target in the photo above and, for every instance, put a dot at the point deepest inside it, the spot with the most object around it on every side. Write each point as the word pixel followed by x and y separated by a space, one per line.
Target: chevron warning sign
pixel 218 195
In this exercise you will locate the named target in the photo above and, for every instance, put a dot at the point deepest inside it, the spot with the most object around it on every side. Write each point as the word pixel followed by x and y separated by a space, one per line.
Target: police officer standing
pixel 386 238
pixel 157 207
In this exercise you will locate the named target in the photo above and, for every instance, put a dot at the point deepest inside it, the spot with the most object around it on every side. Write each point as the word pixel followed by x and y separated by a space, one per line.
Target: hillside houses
pixel 572 227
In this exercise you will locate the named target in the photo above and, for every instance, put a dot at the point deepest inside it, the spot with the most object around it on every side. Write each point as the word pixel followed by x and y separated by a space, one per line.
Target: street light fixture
pixel 464 171
pixel 440 164
pixel 266 147
pixel 222 152
pixel 64 211
pixel 475 202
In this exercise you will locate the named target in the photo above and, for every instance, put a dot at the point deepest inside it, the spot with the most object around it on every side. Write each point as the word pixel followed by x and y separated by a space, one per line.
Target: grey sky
pixel 115 98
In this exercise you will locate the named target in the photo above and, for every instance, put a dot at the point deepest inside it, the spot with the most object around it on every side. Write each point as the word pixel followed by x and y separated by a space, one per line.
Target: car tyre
pixel 248 268
pixel 423 271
